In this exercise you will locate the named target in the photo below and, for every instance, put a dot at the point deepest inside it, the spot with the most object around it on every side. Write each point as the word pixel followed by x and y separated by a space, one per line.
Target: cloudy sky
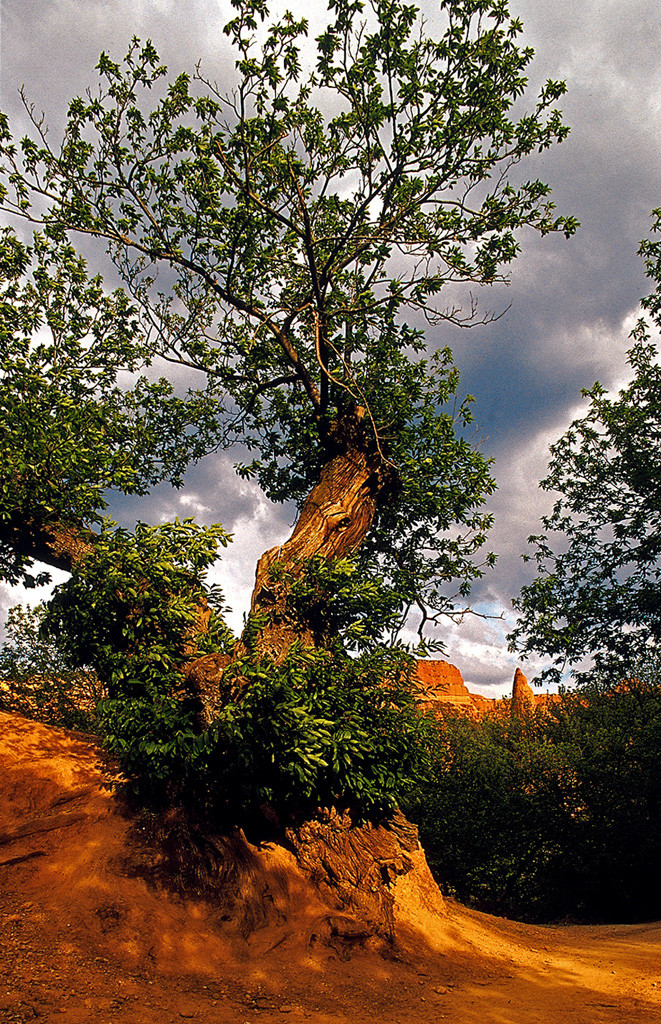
pixel 571 303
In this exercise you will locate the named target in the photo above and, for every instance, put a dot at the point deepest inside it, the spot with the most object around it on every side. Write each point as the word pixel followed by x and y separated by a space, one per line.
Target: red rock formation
pixel 523 698
pixel 442 690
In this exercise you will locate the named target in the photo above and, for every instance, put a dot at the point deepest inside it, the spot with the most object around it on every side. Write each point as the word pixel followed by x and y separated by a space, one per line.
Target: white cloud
pixel 30 597
pixel 192 505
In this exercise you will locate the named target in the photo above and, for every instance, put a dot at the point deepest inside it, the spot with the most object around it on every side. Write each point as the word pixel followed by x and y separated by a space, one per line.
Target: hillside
pixel 90 932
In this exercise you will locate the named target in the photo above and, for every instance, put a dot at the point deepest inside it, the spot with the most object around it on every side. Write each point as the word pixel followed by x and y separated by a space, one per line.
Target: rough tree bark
pixel 356 865
pixel 58 544
pixel 334 520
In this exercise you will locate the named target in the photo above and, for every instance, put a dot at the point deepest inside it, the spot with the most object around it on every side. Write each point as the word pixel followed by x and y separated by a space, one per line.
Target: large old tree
pixel 277 231
pixel 287 237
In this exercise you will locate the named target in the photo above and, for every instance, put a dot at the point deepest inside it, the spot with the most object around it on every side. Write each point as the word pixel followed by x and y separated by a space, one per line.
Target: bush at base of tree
pixel 554 814
pixel 320 729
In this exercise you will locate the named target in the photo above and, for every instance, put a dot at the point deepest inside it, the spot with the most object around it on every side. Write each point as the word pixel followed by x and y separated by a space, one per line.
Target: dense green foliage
pixel 131 609
pixel 551 814
pixel 300 214
pixel 70 427
pixel 320 729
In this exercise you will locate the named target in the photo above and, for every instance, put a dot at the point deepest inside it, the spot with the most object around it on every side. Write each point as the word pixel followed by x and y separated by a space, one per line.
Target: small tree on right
pixel 597 593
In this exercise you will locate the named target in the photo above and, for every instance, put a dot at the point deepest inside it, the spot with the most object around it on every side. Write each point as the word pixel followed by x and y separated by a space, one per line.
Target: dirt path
pixel 83 937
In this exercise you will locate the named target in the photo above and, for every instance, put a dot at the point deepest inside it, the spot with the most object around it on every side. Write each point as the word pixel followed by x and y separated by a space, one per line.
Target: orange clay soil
pixel 86 936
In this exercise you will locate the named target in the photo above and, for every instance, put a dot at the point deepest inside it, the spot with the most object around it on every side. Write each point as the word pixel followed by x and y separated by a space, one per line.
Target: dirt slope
pixel 85 936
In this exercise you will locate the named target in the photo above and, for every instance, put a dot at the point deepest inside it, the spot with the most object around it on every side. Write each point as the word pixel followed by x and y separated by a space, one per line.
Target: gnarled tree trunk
pixel 334 520
pixel 355 866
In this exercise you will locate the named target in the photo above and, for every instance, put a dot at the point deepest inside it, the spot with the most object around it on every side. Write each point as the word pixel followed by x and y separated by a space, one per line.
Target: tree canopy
pixel 76 418
pixel 597 594
pixel 288 237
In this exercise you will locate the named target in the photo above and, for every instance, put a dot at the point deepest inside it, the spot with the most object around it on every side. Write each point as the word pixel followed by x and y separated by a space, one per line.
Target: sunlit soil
pixel 85 935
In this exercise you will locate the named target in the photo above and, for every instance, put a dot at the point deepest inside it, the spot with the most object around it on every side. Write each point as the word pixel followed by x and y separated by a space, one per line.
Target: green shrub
pixel 553 814
pixel 614 838
pixel 319 729
pixel 131 609
pixel 489 817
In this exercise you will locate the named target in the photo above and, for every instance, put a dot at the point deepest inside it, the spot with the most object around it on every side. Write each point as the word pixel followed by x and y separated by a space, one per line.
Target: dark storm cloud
pixel 572 302
pixel 52 46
